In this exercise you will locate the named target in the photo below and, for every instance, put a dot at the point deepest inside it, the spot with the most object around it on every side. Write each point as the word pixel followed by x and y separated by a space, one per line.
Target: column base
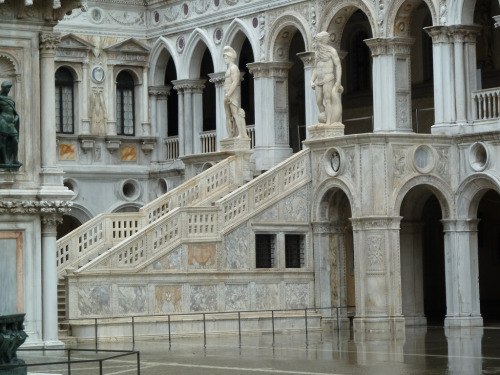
pixel 235 144
pixel 415 321
pixel 53 344
pixel 320 131
pixel 382 325
pixel 465 321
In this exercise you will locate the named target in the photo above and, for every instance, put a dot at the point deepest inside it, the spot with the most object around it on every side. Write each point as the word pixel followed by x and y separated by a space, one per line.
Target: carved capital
pixel 189 85
pixel 497 21
pixel 218 78
pixel 307 58
pixel 439 34
pixel 50 223
pixel 49 41
pixel 376 223
pixel 321 227
pixel 460 225
pixel 390 46
pixel 161 92
pixel 271 69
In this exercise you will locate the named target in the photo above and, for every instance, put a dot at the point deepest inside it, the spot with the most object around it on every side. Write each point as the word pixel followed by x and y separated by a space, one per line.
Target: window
pixel 64 101
pixel 125 116
pixel 265 246
pixel 294 250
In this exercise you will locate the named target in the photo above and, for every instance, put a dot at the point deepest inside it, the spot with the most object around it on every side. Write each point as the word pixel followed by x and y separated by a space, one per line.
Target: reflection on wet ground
pixel 422 351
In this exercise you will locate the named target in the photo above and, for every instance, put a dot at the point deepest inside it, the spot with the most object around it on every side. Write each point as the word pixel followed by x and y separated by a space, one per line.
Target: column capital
pixel 217 78
pixel 376 222
pixel 48 42
pixel 460 225
pixel 390 46
pixel 162 92
pixel 270 69
pixel 497 20
pixel 189 85
pixel 455 33
pixel 308 59
pixel 50 223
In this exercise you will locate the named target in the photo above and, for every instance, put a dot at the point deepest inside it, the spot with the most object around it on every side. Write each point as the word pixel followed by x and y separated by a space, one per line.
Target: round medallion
pixel 156 17
pixel 98 74
pixel 335 161
pixel 180 44
pixel 185 9
pixel 255 22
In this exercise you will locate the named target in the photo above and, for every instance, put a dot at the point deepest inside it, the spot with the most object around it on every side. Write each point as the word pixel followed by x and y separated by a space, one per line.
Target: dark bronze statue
pixel 9 129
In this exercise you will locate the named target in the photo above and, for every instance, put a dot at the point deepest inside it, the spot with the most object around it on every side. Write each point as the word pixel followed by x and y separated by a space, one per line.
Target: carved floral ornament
pixel 35 207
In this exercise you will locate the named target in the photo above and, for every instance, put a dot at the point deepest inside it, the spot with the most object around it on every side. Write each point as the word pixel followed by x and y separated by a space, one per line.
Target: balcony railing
pixel 172 151
pixel 486 104
pixel 208 141
pixel 251 134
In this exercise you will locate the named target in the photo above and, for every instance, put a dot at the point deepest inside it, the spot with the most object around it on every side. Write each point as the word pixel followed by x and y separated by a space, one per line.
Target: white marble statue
pixel 235 115
pixel 326 80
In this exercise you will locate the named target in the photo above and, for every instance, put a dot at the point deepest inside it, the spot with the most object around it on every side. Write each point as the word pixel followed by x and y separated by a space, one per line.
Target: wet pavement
pixel 422 351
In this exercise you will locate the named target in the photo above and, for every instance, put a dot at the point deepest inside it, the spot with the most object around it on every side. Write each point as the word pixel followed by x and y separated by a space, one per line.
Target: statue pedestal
pixel 235 144
pixel 12 336
pixel 320 131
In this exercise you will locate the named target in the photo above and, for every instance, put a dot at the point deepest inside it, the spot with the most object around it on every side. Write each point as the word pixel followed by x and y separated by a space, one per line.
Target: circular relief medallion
pixel 423 159
pixel 479 156
pixel 335 161
pixel 156 16
pixel 98 74
pixel 180 44
pixel 218 36
pixel 255 22
pixel 96 15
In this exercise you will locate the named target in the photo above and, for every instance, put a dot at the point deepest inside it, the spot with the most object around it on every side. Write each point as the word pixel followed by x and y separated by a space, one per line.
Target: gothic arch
pixel 193 54
pixel 337 14
pixel 460 12
pixel 161 52
pixel 441 190
pixel 400 13
pixel 324 193
pixel 281 34
pixel 471 190
pixel 234 37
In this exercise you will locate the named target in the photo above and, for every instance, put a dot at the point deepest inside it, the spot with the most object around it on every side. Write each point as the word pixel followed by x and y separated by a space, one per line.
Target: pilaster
pixel 312 110
pixel 158 98
pixel 377 274
pixel 271 113
pixel 462 273
pixel 218 80
pixel 391 84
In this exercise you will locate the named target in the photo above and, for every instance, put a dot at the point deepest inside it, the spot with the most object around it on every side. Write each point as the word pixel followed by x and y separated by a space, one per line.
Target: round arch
pixel 235 36
pixel 81 213
pixel 75 70
pixel 193 54
pixel 281 34
pixel 323 195
pixel 161 52
pixel 337 14
pixel 400 14
pixel 470 192
pixel 460 12
pixel 125 207
pixel 132 71
pixel 441 190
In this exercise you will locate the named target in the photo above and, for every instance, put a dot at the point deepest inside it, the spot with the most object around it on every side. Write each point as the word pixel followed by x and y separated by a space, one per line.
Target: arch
pixel 161 52
pixel 324 193
pixel 471 190
pixel 8 65
pixel 135 75
pixel 234 37
pixel 281 34
pixel 459 12
pixel 400 14
pixel 126 207
pixel 441 190
pixel 81 213
pixel 193 54
pixel 335 17
pixel 74 70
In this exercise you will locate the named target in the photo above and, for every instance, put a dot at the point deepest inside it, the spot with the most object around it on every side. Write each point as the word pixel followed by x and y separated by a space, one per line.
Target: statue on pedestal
pixel 9 129
pixel 326 80
pixel 235 115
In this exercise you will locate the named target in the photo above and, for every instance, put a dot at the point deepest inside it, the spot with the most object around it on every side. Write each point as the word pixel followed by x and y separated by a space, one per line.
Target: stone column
pixel 111 102
pixel 180 95
pixel 464 350
pixel 159 118
pixel 197 92
pixel 377 274
pixel 218 79
pixel 462 273
pixel 85 125
pixel 51 175
pixel 49 281
pixel 391 84
pixel 454 76
pixel 322 270
pixel 271 113
pixel 312 110
pixel 412 275
pixel 146 123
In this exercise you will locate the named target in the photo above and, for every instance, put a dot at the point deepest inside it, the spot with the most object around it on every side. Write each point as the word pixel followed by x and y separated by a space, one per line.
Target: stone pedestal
pixel 12 336
pixel 320 131
pixel 235 144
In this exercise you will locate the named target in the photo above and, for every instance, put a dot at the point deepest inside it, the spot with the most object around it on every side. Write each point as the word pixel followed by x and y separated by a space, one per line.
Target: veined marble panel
pixel 237 297
pixel 296 296
pixel 172 261
pixel 8 277
pixel 268 215
pixel 201 256
pixel 94 300
pixel 131 299
pixel 66 152
pixel 129 153
pixel 295 207
pixel 266 296
pixel 168 299
pixel 236 246
pixel 203 298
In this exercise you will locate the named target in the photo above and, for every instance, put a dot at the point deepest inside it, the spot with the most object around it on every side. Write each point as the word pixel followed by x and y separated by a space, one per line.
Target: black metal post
pixel 272 322
pixel 100 367
pixel 338 321
pixel 239 326
pixel 95 328
pixel 139 362
pixel 133 333
pixel 204 332
pixel 169 337
pixel 307 337
pixel 69 361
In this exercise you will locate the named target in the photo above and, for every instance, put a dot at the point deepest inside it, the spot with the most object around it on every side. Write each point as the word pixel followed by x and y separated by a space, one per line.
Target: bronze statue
pixel 9 128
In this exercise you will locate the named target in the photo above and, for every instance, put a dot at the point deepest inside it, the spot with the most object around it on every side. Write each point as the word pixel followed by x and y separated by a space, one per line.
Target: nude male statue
pixel 326 80
pixel 235 115
pixel 9 127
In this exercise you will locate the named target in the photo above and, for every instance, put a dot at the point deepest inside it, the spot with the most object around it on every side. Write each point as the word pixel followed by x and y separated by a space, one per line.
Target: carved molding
pixel 49 41
pixel 390 46
pixel 449 34
pixel 161 92
pixel 271 69
pixel 189 85
pixel 35 207
pixel 374 222
pixel 460 225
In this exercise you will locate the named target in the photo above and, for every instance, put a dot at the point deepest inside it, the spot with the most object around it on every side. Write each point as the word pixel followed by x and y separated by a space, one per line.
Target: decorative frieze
pixel 35 207
pixel 376 223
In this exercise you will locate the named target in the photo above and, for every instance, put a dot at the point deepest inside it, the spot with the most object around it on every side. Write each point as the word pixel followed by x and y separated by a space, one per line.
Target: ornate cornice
pixel 35 207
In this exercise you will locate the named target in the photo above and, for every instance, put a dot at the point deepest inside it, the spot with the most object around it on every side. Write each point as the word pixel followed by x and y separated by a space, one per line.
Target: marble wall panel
pixel 8 277
pixel 295 206
pixel 236 246
pixel 94 300
pixel 66 152
pixel 237 297
pixel 266 296
pixel 172 261
pixel 270 214
pixel 203 298
pixel 168 299
pixel 131 299
pixel 201 256
pixel 129 153
pixel 296 296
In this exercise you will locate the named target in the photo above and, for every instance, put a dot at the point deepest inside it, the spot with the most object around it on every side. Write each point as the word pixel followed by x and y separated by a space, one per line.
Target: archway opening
pixel 247 84
pixel 357 99
pixel 422 258
pixel 296 94
pixel 68 224
pixel 209 105
pixel 173 100
pixel 489 256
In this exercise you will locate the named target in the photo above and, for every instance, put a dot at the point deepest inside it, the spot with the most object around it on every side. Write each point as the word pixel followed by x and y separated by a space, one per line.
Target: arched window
pixel 64 101
pixel 125 114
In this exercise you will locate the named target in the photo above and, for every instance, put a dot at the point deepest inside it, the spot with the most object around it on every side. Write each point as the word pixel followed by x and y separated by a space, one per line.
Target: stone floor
pixel 423 351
